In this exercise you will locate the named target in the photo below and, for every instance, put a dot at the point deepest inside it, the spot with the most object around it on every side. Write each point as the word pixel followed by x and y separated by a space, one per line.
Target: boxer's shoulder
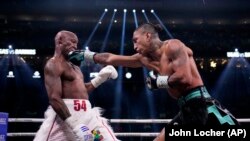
pixel 54 65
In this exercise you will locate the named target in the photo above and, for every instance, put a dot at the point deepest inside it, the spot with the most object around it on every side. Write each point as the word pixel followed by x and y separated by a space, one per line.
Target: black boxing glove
pixel 77 56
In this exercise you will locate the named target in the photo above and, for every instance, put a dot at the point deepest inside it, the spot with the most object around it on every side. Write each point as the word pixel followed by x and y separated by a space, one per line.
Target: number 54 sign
pixel 80 105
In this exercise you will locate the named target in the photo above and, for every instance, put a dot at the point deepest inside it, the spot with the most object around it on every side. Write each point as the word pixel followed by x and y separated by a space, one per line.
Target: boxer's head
pixel 65 42
pixel 144 37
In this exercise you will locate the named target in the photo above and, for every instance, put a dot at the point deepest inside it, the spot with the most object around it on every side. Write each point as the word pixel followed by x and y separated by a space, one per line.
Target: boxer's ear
pixel 60 41
pixel 148 36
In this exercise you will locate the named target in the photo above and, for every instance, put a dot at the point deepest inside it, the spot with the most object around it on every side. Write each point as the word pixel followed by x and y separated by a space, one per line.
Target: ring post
pixel 3 126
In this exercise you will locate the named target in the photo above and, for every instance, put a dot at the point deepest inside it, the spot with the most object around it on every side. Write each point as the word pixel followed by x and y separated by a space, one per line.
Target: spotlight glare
pixel 100 22
pixel 115 21
pixel 10 74
pixel 152 11
pixel 86 48
pixel 125 10
pixel 142 10
pixel 115 10
pixel 213 64
pixel 128 75
pixel 134 10
pixel 106 10
pixel 36 74
pixel 10 46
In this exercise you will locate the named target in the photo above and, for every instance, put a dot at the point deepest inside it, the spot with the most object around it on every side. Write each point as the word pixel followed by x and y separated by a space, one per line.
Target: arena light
pixel 115 21
pixel 134 10
pixel 10 74
pixel 10 46
pixel 128 75
pixel 106 10
pixel 115 10
pixel 152 11
pixel 125 10
pixel 213 64
pixel 36 74
pixel 142 10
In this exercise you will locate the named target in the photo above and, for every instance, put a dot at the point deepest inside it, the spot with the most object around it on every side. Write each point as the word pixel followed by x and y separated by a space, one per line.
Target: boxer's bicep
pixel 53 80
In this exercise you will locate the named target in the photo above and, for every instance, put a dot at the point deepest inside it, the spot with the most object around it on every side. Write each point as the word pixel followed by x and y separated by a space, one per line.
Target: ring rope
pixel 114 120
pixel 140 120
pixel 121 134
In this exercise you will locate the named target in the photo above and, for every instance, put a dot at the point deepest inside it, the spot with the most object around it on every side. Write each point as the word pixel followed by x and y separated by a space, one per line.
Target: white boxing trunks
pixel 54 129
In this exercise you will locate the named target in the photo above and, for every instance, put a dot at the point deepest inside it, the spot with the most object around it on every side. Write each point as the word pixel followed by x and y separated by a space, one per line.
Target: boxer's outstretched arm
pixel 53 85
pixel 118 60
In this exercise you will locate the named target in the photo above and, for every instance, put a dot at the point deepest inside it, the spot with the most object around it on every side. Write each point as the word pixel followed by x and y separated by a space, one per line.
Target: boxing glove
pixel 105 74
pixel 77 56
pixel 155 82
pixel 81 131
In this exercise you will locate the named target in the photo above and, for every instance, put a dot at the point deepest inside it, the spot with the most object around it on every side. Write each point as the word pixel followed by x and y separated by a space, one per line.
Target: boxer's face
pixel 69 43
pixel 140 41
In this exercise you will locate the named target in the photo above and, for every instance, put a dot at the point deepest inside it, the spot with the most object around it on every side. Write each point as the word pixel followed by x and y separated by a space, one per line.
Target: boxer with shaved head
pixel 70 116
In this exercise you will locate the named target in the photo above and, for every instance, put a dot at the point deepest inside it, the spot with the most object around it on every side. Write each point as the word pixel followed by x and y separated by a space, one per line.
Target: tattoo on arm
pixel 179 63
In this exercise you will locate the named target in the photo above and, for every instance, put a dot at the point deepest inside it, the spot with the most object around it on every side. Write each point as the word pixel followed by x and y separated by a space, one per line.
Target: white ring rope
pixel 140 120
pixel 111 120
pixel 25 120
pixel 122 134
pixel 115 120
